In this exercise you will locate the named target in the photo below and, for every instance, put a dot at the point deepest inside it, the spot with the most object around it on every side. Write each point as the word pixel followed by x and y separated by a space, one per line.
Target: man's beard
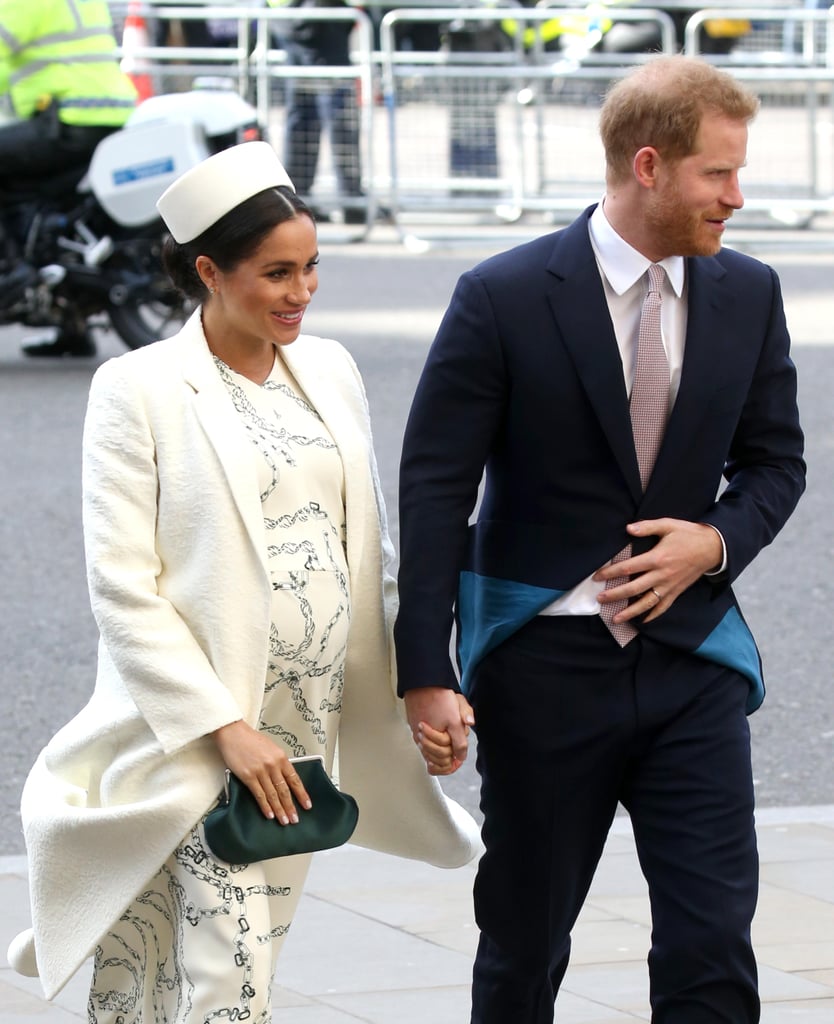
pixel 681 231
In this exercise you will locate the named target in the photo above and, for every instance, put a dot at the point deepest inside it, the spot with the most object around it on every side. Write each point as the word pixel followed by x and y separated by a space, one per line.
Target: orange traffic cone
pixel 135 37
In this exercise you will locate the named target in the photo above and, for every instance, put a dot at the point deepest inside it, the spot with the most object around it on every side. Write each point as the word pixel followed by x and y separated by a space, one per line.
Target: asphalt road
pixel 384 302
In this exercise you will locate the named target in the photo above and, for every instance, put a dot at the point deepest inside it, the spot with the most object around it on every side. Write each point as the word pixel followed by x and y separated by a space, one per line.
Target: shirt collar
pixel 621 263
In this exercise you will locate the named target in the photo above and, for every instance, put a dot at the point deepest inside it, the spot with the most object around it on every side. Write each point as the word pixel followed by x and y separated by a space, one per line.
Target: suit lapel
pixel 579 307
pixel 581 312
pixel 708 301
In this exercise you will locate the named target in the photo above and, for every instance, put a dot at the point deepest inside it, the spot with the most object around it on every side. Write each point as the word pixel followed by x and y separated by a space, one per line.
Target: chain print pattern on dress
pixel 152 922
pixel 153 932
pixel 230 901
pixel 271 439
pixel 165 919
pixel 309 512
pixel 301 659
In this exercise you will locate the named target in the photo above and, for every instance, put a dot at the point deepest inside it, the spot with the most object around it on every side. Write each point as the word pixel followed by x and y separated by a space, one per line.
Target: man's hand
pixel 683 554
pixel 440 720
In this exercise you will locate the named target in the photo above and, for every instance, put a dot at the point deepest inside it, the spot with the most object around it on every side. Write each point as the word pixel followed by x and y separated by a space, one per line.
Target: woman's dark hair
pixel 232 239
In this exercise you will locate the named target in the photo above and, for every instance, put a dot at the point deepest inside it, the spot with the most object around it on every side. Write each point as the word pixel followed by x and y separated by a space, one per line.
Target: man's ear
pixel 645 166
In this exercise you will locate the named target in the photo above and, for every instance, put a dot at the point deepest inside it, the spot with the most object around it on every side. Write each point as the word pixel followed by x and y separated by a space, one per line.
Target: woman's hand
pixel 436 745
pixel 264 768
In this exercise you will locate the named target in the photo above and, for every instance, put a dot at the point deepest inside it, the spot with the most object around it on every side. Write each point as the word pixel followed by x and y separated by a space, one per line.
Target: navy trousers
pixel 34 151
pixel 313 104
pixel 568 726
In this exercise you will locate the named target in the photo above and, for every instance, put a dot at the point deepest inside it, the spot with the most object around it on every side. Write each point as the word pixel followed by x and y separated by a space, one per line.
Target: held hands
pixel 264 768
pixel 683 554
pixel 440 720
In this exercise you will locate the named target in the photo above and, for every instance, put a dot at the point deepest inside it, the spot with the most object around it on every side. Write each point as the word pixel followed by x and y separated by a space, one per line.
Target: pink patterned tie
pixel 649 409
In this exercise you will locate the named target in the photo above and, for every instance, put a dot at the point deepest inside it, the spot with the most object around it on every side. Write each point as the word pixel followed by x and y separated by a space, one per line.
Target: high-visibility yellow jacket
pixel 592 19
pixel 63 51
pixel 727 28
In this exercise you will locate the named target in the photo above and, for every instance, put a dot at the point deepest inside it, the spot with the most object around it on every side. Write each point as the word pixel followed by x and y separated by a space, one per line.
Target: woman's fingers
pixel 284 792
pixel 437 751
pixel 293 780
pixel 437 746
pixel 265 770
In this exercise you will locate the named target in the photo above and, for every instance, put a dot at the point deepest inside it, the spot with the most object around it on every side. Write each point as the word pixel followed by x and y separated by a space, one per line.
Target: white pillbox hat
pixel 204 193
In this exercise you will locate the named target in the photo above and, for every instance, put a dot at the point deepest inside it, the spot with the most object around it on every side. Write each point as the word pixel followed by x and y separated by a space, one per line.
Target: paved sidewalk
pixel 382 940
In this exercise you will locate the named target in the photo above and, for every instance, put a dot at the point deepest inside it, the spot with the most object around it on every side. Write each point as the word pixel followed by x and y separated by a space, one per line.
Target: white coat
pixel 176 556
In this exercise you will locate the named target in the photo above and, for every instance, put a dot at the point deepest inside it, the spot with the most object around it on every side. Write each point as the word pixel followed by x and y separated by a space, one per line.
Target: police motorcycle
pixel 92 239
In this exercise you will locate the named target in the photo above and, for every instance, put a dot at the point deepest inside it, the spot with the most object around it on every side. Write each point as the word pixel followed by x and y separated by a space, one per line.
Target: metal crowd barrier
pixel 256 59
pixel 498 118
pixel 502 131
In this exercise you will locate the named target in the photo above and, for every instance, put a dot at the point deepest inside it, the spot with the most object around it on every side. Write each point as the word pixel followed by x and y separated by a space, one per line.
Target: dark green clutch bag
pixel 238 833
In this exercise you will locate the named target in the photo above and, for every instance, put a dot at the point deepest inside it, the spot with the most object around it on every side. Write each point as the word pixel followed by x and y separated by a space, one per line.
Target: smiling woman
pixel 254 268
pixel 238 568
pixel 260 301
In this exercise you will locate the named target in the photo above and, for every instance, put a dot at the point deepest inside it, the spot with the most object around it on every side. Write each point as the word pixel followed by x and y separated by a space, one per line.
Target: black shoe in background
pixel 359 215
pixel 75 346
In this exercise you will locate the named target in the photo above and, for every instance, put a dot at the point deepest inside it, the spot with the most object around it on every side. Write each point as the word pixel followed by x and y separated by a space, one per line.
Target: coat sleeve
pixel 457 411
pixel 765 469
pixel 166 673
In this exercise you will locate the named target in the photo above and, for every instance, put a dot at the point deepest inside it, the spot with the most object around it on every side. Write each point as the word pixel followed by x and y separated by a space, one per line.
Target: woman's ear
pixel 207 272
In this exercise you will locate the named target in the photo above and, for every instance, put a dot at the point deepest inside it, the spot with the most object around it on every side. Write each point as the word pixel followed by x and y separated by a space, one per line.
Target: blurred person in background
pixel 314 104
pixel 59 70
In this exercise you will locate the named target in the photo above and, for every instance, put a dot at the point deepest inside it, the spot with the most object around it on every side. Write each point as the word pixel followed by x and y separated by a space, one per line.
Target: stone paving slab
pixel 380 939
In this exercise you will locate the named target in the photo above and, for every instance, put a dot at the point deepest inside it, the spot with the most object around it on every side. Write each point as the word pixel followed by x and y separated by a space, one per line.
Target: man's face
pixel 693 197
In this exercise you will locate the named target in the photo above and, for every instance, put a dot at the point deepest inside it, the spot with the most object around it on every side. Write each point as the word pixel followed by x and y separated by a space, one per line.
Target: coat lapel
pixel 580 309
pixel 341 407
pixel 221 424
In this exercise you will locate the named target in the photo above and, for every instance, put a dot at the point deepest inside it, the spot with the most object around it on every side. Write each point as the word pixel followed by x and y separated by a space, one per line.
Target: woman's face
pixel 264 297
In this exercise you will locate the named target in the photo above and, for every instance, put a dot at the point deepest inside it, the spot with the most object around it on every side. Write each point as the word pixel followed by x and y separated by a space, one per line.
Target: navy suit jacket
pixel 525 380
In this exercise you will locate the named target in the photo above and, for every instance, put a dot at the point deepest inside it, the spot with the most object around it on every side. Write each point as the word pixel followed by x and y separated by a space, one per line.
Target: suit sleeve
pixel 456 413
pixel 161 664
pixel 765 469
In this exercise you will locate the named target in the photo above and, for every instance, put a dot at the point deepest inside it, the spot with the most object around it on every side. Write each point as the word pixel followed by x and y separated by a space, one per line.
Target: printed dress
pixel 200 943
